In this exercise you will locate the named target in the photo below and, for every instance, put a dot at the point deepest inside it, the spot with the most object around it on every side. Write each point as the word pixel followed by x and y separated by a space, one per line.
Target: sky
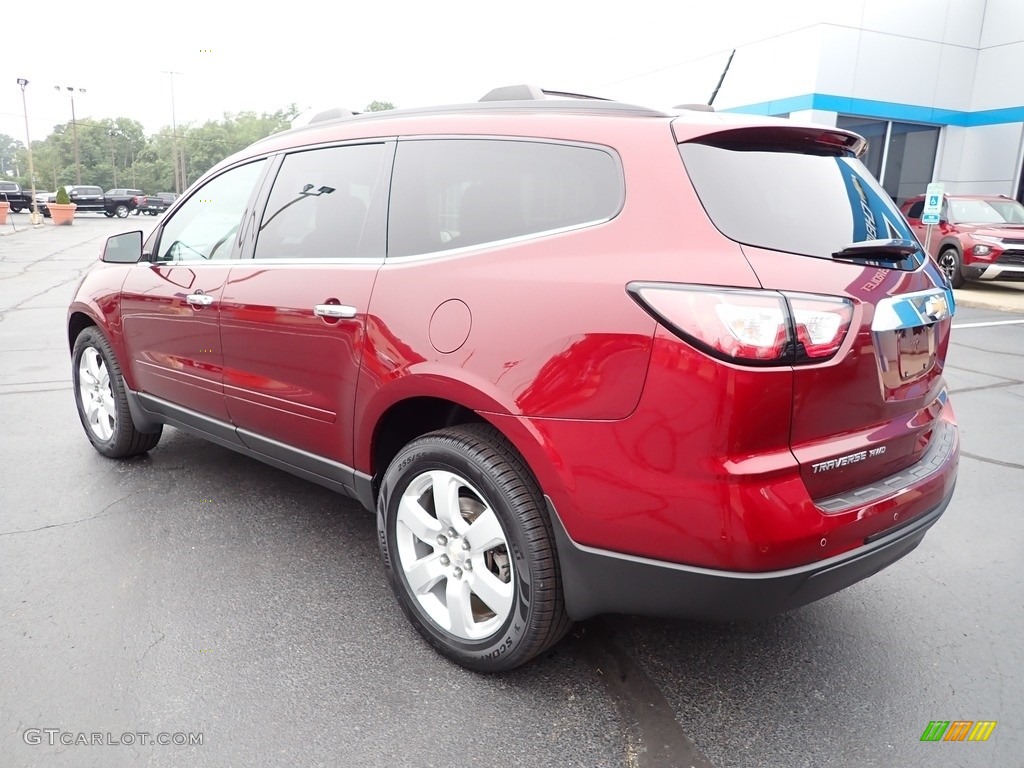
pixel 234 57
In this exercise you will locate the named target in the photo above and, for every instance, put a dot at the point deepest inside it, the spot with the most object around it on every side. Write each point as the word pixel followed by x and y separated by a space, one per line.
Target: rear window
pixel 807 204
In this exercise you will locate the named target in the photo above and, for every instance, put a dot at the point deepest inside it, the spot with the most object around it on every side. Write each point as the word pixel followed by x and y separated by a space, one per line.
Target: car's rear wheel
pixel 949 263
pixel 468 549
pixel 102 401
pixel 122 211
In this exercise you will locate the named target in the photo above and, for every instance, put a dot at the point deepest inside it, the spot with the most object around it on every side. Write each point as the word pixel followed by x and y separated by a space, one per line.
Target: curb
pixel 1001 297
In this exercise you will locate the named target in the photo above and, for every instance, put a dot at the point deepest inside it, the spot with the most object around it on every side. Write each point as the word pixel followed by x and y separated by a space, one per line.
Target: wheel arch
pixel 405 420
pixel 952 242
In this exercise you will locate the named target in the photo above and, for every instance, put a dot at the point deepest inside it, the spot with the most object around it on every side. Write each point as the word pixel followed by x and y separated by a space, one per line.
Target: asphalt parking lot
pixel 197 592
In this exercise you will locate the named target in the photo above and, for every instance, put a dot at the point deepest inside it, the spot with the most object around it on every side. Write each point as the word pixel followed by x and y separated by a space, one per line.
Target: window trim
pixel 277 159
pixel 455 252
pixel 238 248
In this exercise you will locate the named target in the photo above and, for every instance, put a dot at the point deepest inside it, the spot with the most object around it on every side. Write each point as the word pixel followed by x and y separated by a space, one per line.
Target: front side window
pixel 326 203
pixel 206 226
pixel 454 193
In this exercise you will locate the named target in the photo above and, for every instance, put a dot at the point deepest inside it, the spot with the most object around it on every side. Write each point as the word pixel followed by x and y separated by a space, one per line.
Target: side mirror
pixel 123 249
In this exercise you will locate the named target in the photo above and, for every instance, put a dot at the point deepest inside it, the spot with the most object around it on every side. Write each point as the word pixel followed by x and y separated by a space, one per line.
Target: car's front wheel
pixel 468 549
pixel 949 263
pixel 102 401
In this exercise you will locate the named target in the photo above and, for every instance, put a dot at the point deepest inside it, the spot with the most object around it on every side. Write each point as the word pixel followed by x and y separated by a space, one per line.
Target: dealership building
pixel 935 86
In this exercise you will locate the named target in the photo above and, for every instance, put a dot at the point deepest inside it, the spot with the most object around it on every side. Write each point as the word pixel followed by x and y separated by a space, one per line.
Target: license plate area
pixel 915 350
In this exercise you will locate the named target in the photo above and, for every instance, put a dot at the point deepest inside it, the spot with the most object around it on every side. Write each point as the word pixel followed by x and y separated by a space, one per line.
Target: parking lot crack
pixel 107 510
pixel 997 462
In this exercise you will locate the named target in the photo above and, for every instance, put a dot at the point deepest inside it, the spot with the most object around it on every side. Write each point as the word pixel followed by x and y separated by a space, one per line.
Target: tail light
pixel 749 326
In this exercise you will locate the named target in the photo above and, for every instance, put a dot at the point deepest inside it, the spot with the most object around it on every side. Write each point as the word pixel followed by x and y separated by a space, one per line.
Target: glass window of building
pixel 900 155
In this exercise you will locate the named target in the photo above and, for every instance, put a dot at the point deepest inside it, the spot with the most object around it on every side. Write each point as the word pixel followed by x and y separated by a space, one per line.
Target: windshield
pixel 1011 211
pixel 973 212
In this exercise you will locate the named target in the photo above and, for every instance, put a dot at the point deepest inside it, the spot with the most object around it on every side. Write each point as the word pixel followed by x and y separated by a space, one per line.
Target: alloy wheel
pixel 96 394
pixel 454 556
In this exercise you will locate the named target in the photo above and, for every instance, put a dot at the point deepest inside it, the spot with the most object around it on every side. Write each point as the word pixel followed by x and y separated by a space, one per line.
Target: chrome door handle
pixel 334 310
pixel 199 299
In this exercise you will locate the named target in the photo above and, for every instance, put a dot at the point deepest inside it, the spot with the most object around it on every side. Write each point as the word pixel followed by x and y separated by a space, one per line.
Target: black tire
pixel 16 209
pixel 495 475
pixel 121 211
pixel 108 214
pixel 950 264
pixel 124 440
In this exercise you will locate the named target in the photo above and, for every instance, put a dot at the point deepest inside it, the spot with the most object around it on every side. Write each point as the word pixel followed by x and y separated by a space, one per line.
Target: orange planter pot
pixel 4 208
pixel 62 214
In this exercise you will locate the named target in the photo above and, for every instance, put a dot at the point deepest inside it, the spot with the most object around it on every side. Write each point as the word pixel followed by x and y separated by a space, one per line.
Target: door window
pixel 326 203
pixel 206 226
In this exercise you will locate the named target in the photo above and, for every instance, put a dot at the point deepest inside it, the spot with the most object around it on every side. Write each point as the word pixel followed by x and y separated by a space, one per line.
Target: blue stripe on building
pixel 883 110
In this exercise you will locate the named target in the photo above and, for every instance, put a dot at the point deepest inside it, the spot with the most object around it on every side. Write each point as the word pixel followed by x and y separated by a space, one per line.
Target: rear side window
pixel 808 204
pixel 916 210
pixel 453 193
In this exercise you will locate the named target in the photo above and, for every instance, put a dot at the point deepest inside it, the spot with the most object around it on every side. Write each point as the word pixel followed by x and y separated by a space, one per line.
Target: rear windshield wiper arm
pixel 878 250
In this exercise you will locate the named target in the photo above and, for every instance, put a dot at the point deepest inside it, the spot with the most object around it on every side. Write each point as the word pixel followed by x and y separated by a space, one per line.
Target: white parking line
pixel 986 325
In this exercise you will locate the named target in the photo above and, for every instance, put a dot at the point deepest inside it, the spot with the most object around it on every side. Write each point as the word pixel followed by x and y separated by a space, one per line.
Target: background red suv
pixel 978 237
pixel 579 356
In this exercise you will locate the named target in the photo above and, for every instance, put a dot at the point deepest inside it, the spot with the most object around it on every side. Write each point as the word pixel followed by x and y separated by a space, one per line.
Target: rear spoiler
pixel 815 139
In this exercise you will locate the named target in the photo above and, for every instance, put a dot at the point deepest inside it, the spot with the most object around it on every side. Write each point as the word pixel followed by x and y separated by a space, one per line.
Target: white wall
pixel 990 160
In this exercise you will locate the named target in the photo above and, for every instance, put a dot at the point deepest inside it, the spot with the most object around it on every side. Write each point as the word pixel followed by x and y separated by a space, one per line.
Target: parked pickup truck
pixel 116 202
pixel 20 200
pixel 156 204
pixel 121 202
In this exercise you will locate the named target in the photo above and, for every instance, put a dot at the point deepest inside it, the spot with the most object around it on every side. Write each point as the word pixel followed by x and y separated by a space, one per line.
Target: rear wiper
pixel 878 250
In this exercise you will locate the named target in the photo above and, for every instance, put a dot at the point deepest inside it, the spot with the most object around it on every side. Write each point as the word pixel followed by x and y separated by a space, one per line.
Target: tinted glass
pixel 915 211
pixel 874 132
pixel 806 204
pixel 453 193
pixel 910 160
pixel 206 225
pixel 326 203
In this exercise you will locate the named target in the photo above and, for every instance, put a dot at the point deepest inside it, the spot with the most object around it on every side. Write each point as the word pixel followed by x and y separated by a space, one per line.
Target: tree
pixel 378 106
pixel 115 152
pixel 9 159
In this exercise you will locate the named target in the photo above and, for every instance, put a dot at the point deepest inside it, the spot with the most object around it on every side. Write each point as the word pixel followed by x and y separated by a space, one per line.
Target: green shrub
pixel 62 196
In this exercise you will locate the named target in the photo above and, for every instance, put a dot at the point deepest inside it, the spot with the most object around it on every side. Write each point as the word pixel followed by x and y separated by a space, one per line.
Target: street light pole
pixel 179 169
pixel 112 132
pixel 28 143
pixel 74 128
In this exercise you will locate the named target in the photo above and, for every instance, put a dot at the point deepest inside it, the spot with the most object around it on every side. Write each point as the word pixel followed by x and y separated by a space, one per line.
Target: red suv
pixel 978 237
pixel 580 357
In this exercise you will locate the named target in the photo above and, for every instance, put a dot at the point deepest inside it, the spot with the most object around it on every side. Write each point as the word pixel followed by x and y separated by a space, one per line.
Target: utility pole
pixel 28 143
pixel 179 167
pixel 74 128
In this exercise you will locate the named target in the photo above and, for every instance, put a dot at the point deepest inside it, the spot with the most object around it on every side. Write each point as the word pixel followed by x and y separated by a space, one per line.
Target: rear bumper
pixel 598 581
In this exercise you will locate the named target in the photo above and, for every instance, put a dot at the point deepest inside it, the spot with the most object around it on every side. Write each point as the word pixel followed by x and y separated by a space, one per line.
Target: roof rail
pixel 332 114
pixel 532 93
pixel 695 107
